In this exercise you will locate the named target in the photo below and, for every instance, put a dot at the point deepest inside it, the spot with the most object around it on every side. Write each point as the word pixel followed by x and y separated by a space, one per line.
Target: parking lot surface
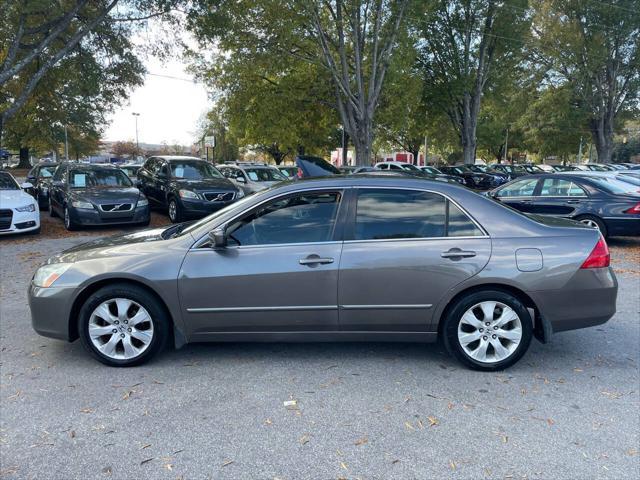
pixel 569 409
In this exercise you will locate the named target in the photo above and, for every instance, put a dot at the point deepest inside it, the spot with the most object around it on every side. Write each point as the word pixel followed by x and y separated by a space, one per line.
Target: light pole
pixel 66 144
pixel 136 115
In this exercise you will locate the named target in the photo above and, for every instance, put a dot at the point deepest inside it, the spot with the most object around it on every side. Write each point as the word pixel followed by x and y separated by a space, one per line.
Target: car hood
pixel 104 247
pixel 107 195
pixel 14 198
pixel 205 184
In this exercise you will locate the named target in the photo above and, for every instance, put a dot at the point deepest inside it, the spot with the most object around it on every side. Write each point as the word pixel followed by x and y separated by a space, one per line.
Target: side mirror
pixel 218 238
pixel 241 179
pixel 26 185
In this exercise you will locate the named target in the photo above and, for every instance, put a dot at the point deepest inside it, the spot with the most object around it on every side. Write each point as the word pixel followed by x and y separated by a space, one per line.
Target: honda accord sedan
pixel 361 258
pixel 95 195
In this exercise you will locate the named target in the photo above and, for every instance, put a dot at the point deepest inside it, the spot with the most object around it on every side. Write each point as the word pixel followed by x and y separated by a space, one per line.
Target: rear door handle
pixel 456 254
pixel 315 260
pixel 573 201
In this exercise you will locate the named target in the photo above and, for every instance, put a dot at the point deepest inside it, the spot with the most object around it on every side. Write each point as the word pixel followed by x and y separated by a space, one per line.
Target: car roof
pixel 170 158
pixel 89 166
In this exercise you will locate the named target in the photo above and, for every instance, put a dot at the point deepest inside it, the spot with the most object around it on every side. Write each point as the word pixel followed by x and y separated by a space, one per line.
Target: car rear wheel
pixel 175 212
pixel 123 325
pixel 489 330
pixel 593 222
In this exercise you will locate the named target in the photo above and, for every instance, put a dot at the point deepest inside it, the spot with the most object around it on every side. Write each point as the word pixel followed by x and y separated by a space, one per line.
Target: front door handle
pixel 573 201
pixel 457 254
pixel 314 259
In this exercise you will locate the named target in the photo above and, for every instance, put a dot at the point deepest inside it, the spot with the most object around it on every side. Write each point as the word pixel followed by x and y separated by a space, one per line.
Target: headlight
pixel 143 202
pixel 187 194
pixel 81 204
pixel 240 193
pixel 27 208
pixel 47 274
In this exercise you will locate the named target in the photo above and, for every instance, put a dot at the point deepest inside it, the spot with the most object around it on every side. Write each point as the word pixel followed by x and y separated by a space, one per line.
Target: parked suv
pixel 186 187
pixel 252 177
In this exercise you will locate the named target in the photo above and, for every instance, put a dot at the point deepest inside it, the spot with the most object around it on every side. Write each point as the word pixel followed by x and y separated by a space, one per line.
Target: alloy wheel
pixel 489 332
pixel 590 223
pixel 67 218
pixel 120 329
pixel 173 210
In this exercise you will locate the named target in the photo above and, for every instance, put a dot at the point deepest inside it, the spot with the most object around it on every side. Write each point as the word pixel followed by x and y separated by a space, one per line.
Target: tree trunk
pixel 24 158
pixel 602 134
pixel 362 140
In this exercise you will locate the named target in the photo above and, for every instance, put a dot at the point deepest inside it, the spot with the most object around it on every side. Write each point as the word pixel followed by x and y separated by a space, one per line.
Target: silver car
pixel 252 177
pixel 353 258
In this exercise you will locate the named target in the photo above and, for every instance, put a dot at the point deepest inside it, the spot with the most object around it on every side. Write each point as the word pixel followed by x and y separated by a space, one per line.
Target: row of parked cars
pixel 190 188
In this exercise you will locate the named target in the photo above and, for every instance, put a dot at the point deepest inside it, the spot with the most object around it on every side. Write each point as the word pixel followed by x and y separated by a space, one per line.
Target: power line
pixel 182 79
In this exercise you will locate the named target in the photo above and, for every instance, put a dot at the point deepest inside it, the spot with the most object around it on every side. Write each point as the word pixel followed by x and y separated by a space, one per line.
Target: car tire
pixel 52 212
pixel 155 330
pixel 69 224
pixel 469 339
pixel 595 222
pixel 175 211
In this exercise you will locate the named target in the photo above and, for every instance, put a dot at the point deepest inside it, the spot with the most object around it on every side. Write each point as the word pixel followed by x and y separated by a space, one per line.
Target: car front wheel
pixel 175 211
pixel 488 330
pixel 123 325
pixel 69 224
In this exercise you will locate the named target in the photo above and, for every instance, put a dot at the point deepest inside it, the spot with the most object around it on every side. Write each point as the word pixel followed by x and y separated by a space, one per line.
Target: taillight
pixel 634 210
pixel 599 256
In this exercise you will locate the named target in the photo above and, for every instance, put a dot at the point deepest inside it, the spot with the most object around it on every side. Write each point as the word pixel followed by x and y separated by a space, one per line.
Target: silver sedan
pixel 352 258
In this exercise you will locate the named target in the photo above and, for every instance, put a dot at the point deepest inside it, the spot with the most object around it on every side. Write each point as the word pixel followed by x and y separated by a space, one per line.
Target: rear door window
pixel 520 188
pixel 556 187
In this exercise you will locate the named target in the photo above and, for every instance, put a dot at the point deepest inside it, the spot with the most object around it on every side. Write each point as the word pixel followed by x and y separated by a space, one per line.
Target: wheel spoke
pixel 507 316
pixel 470 319
pixel 501 351
pixel 103 312
pixel 480 353
pixel 140 316
pixel 142 335
pixel 129 350
pixel 123 305
pixel 487 310
pixel 109 348
pixel 97 331
pixel 514 335
pixel 467 338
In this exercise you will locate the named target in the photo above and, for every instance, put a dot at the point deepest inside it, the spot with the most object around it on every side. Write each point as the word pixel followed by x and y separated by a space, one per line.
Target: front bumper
pixel 588 299
pixel 200 208
pixel 22 222
pixel 50 311
pixel 94 217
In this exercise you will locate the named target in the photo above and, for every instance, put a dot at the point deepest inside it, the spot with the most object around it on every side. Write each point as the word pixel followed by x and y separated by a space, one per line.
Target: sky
pixel 169 107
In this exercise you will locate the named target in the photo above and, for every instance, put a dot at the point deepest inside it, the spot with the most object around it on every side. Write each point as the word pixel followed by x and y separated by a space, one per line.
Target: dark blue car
pixel 608 204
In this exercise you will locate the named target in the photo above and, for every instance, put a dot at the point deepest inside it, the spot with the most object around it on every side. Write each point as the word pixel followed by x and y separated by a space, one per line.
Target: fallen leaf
pixel 452 464
pixel 408 426
pixel 362 441
pixel 107 470
pixel 344 465
pixel 145 446
pixel 304 439
pixel 168 466
pixel 433 421
pixel 268 421
pixel 72 433
pixel 550 421
pixel 146 460
pixel 87 410
pixel 227 462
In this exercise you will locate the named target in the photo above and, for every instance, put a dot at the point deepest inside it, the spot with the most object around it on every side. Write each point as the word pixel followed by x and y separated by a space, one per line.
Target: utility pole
pixel 66 144
pixel 136 115
pixel 345 141
pixel 426 150
pixel 506 146
pixel 579 159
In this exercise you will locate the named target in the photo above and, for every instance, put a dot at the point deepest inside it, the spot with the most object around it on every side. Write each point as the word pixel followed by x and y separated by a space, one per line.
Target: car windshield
pixel 107 177
pixel 432 170
pixel 7 182
pixel 533 168
pixel 46 172
pixel 408 166
pixel 481 168
pixel 264 175
pixel 611 185
pixel 462 169
pixel 193 170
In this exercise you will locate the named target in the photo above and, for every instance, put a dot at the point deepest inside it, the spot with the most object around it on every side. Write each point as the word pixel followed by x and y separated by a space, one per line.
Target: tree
pixel 593 47
pixel 465 44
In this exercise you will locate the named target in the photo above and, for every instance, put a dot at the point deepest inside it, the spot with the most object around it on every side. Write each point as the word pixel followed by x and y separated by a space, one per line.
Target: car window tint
pixel 521 188
pixel 59 173
pixel 460 225
pixel 390 214
pixel 307 217
pixel 556 187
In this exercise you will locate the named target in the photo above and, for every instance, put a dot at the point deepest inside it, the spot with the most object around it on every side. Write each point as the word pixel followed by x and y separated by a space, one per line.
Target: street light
pixel 135 114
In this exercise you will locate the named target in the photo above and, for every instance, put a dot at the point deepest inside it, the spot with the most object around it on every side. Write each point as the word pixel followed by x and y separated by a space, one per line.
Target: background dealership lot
pixel 568 410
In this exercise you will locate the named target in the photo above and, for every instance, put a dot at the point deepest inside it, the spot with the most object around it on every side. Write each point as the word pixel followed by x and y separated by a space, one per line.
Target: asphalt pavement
pixel 569 410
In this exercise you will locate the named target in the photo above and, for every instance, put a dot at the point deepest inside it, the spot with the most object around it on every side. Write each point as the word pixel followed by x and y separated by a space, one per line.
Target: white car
pixel 19 212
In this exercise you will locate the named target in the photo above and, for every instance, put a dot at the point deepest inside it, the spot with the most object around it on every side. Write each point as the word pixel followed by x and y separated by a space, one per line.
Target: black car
pixel 504 178
pixel 95 195
pixel 530 168
pixel 605 203
pixel 40 177
pixel 186 187
pixel 513 171
pixel 479 181
pixel 434 171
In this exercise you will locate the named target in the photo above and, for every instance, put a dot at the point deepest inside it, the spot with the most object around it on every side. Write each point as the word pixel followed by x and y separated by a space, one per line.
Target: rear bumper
pixel 629 226
pixel 589 299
